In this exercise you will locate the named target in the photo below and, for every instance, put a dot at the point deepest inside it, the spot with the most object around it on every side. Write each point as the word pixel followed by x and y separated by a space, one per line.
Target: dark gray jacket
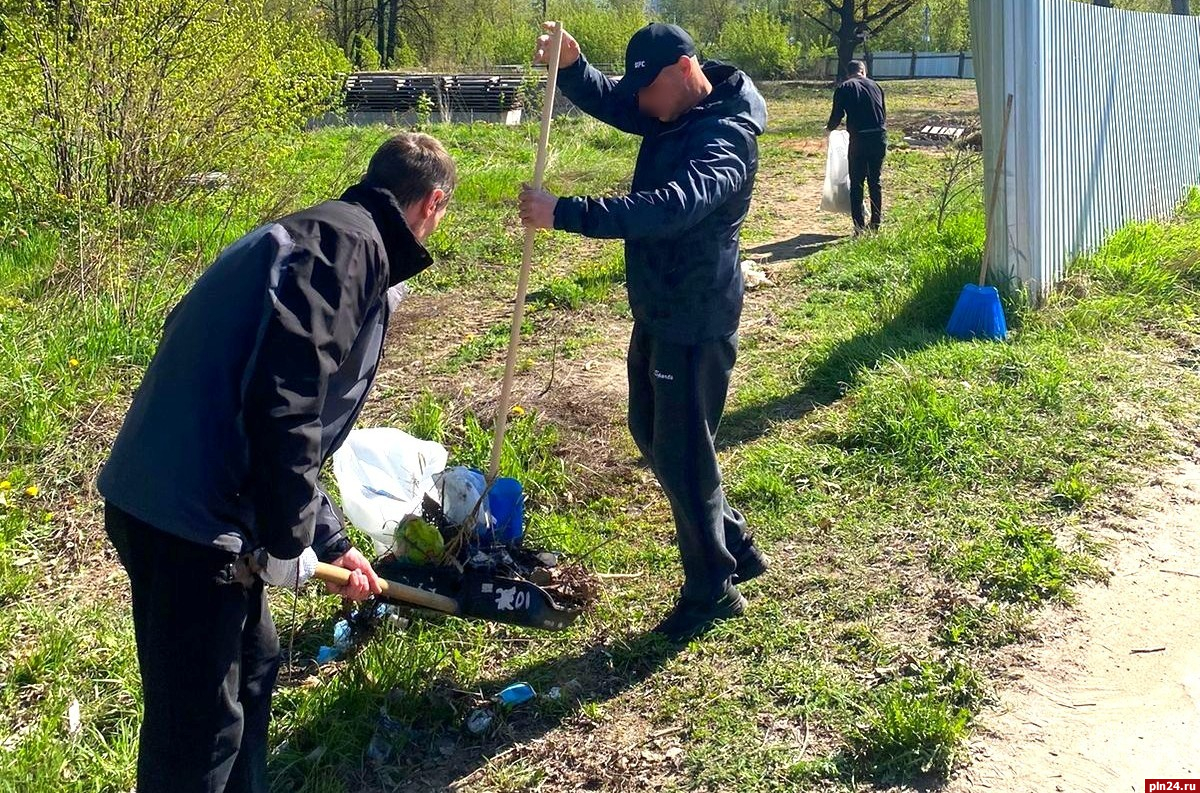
pixel 261 372
pixel 690 195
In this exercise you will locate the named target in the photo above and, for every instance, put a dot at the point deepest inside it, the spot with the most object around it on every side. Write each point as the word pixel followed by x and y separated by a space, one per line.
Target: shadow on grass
pixel 430 749
pixel 918 323
pixel 798 247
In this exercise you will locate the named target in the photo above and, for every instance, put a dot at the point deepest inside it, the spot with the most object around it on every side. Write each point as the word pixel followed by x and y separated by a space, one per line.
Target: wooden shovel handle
pixel 392 590
pixel 539 172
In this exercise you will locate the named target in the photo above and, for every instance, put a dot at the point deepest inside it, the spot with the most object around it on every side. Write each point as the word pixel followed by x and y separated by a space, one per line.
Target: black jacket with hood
pixel 690 195
pixel 260 375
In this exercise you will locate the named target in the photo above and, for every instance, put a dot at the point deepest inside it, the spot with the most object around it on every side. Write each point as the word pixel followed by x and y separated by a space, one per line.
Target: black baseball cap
pixel 652 49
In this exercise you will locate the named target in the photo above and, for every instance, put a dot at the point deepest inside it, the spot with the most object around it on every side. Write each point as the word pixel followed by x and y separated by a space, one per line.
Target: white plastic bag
pixel 460 491
pixel 836 195
pixel 383 474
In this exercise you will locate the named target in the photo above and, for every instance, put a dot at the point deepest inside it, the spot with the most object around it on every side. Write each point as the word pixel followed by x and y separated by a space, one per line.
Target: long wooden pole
pixel 539 172
pixel 998 175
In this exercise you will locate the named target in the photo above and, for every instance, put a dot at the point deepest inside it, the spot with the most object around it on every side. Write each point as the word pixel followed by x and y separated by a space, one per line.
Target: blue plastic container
pixel 978 315
pixel 507 504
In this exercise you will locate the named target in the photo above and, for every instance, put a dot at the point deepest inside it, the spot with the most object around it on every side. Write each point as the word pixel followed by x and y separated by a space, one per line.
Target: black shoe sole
pixel 750 568
pixel 679 636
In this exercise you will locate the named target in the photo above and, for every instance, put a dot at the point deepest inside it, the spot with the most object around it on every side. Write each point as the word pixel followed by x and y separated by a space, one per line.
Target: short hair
pixel 410 166
pixel 856 67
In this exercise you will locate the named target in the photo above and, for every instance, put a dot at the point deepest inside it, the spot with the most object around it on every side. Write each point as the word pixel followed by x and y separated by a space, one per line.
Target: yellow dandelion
pixel 6 485
pixel 32 491
pixel 74 363
pixel 517 410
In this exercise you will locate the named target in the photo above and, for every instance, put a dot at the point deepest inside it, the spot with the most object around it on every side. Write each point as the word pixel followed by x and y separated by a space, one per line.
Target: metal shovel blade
pixel 481 595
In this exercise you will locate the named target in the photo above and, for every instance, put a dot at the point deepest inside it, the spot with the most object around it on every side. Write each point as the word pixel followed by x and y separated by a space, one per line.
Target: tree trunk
pixel 381 31
pixel 847 38
pixel 393 15
pixel 1181 7
pixel 855 26
pixel 1103 3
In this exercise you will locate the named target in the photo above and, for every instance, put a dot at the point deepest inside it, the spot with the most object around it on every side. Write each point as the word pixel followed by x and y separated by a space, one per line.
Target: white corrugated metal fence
pixel 1105 127
pixel 887 65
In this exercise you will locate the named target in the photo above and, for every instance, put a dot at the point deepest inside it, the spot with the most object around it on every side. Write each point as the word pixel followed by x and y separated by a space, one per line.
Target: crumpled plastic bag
pixel 460 491
pixel 383 475
pixel 835 196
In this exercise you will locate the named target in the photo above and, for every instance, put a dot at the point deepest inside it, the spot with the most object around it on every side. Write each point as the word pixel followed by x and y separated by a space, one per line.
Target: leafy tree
pixel 363 55
pixel 759 43
pixel 853 23
pixel 117 103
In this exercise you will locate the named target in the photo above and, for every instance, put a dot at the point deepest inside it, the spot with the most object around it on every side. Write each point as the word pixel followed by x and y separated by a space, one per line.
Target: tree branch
pixel 820 22
pixel 889 10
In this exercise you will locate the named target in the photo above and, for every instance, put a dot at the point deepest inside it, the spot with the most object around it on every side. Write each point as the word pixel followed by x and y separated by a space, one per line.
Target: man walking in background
pixel 860 100
pixel 691 191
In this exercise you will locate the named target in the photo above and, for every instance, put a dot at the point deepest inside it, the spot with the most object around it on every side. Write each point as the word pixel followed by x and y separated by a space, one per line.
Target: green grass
pixel 910 729
pixel 593 281
pixel 922 498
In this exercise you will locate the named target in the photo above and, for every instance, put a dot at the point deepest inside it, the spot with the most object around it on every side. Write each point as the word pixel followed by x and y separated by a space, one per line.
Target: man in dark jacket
pixel 261 372
pixel 860 100
pixel 690 194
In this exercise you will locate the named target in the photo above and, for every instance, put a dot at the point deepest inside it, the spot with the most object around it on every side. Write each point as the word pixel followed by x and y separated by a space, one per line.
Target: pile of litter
pixel 353 628
pixel 435 527
pixel 481 717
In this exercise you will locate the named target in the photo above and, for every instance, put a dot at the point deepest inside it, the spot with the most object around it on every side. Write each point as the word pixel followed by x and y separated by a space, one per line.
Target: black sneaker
pixel 690 618
pixel 751 563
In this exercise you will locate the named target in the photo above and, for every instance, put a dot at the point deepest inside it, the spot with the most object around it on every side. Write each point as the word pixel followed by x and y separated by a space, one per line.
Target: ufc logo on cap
pixel 640 65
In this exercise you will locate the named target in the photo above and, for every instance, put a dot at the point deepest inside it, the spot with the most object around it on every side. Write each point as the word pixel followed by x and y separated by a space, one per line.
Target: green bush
pixel 758 43
pixel 473 33
pixel 363 55
pixel 404 56
pixel 602 31
pixel 511 43
pixel 116 104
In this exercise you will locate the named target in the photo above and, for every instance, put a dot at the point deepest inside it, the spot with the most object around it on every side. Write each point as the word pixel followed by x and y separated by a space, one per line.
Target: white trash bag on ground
pixel 836 195
pixel 383 475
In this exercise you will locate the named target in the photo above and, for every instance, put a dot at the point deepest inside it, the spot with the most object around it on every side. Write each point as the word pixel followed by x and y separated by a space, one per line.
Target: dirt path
pixel 1112 697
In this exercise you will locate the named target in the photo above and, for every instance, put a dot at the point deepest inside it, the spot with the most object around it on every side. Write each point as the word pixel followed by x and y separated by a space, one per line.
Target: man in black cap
pixel 691 191
pixel 261 372
pixel 860 100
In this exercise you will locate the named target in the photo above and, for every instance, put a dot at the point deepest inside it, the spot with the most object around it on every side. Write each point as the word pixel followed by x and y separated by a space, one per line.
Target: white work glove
pixel 397 295
pixel 288 573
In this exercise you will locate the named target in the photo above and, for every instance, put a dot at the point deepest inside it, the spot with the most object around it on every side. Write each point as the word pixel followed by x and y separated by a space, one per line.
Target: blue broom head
pixel 978 315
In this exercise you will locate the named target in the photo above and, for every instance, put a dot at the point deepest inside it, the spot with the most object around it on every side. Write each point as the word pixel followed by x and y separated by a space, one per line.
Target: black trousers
pixel 208 654
pixel 676 397
pixel 867 152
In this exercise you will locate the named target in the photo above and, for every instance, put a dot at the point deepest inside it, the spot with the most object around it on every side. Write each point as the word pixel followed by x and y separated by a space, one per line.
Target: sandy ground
pixel 1112 696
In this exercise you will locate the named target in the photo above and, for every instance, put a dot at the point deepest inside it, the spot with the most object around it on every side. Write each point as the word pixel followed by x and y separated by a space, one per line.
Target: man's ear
pixel 685 65
pixel 429 206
